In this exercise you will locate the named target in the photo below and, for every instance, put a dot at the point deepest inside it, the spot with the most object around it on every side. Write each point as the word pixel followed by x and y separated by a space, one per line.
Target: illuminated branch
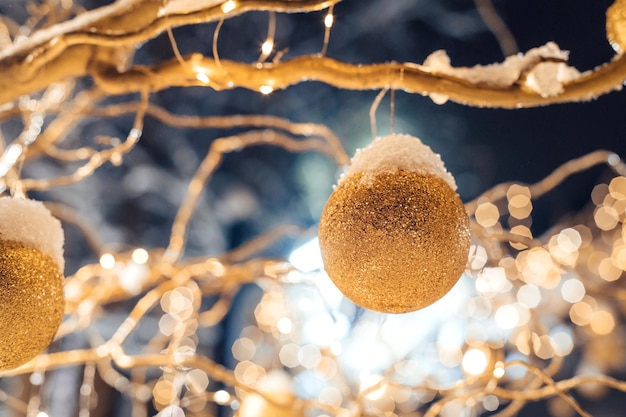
pixel 82 47
pixel 412 78
pixel 110 34
pixel 97 159
pixel 556 177
pixel 227 122
pixel 212 160
pixel 561 386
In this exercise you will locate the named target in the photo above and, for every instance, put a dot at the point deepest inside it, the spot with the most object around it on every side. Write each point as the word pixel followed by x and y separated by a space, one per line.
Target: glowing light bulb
pixel 267 47
pixel 107 261
pixel 202 77
pixel 221 397
pixel 229 6
pixel 498 371
pixel 140 256
pixel 329 20
pixel 266 89
pixel 475 362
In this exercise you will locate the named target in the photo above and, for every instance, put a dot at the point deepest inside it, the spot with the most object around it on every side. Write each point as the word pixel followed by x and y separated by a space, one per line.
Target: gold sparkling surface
pixel 31 303
pixel 396 246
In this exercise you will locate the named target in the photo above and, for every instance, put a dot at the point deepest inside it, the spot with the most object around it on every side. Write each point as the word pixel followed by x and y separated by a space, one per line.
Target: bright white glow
pixel 13 152
pixel 267 47
pixel 221 397
pixel 323 329
pixel 365 354
pixel 336 348
pixel 202 77
pixel 172 411
pixel 107 261
pixel 491 281
pixel 529 295
pixel 573 290
pixel 569 240
pixel 426 323
pixel 133 276
pixel 42 414
pixel 329 20
pixel 507 317
pixel 266 89
pixel 451 334
pixel 498 371
pixel 368 381
pixel 229 6
pixel 140 256
pixel 316 329
pixel 307 257
pixel 474 362
pixel 329 291
pixel 9 158
pixel 305 304
pixel 284 325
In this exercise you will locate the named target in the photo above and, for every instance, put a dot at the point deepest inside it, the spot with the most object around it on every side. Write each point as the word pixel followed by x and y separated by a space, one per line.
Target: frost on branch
pixel 543 70
pixel 615 28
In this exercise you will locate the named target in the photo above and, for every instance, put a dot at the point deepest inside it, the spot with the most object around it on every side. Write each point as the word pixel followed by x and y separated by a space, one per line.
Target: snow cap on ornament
pixel 393 153
pixel 31 280
pixel 394 234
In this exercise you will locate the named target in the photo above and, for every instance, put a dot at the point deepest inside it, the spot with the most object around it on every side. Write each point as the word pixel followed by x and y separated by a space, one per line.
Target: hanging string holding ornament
pixel 31 280
pixel 394 233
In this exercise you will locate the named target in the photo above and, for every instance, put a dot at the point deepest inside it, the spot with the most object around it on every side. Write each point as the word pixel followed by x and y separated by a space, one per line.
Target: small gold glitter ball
pixel 31 302
pixel 397 243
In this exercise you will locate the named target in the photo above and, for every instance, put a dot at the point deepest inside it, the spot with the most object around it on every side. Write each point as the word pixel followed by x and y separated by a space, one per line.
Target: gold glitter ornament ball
pixel 394 234
pixel 31 282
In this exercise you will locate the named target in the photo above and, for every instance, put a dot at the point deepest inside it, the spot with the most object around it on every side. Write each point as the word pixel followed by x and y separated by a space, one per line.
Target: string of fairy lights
pixel 532 318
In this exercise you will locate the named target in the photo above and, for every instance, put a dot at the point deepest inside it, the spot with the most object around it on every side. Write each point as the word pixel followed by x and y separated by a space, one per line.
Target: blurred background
pixel 261 187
